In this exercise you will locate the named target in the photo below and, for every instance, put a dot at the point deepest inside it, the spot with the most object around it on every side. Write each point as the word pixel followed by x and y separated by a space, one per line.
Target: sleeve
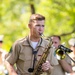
pixel 52 58
pixel 68 60
pixel 13 56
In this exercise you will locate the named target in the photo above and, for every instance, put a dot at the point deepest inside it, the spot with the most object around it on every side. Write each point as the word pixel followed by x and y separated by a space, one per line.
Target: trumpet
pixel 61 51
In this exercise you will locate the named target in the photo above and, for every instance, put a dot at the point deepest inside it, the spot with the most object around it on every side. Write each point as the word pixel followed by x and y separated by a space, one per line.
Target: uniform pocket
pixel 22 57
pixel 27 62
pixel 25 56
pixel 28 57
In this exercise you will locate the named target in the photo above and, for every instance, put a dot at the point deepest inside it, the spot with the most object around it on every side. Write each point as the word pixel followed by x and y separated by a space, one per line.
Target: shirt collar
pixel 25 42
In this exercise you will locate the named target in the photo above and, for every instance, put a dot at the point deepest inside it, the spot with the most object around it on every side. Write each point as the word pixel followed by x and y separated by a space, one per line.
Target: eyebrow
pixel 39 25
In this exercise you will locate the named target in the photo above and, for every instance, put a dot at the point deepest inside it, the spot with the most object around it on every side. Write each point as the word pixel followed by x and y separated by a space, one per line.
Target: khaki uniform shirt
pixel 58 70
pixel 22 55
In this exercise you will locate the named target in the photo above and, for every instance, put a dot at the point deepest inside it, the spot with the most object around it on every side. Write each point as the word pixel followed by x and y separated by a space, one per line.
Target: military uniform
pixel 58 69
pixel 22 55
pixel 72 55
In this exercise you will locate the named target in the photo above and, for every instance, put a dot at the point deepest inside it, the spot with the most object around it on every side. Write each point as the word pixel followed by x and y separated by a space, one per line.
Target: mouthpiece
pixel 41 34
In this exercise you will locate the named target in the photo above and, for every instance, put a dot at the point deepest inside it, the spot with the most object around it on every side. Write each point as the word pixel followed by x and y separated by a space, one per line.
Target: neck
pixel 34 39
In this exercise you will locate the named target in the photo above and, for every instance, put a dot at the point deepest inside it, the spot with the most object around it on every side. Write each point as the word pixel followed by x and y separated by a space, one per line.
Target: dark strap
pixel 34 53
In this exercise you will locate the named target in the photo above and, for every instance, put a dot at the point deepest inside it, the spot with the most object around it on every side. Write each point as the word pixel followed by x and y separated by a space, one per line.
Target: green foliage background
pixel 14 16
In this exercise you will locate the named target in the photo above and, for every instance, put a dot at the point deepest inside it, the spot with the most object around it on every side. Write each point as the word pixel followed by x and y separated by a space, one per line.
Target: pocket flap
pixel 22 57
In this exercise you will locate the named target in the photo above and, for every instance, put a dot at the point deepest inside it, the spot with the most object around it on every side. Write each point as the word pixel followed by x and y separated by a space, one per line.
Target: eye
pixel 38 25
pixel 55 42
pixel 43 25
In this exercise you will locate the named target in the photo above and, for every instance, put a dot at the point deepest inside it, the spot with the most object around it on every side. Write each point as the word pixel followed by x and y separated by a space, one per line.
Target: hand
pixel 72 73
pixel 46 66
pixel 13 73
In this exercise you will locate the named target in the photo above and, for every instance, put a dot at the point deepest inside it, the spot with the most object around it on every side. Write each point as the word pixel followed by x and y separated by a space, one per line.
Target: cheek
pixel 55 45
pixel 35 30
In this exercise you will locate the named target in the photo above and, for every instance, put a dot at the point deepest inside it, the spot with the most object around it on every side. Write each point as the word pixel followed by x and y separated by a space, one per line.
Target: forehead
pixel 39 22
pixel 55 39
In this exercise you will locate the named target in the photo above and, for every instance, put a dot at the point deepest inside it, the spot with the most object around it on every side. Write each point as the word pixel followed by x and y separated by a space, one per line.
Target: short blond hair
pixel 36 17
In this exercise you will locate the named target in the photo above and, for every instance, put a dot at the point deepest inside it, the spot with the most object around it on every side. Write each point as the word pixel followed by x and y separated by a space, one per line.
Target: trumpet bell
pixel 60 54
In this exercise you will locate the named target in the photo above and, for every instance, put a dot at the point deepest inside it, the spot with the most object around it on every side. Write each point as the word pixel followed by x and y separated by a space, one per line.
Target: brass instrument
pixel 61 51
pixel 38 70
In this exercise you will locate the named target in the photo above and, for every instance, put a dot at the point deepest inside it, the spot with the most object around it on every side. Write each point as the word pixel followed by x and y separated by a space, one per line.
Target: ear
pixel 29 25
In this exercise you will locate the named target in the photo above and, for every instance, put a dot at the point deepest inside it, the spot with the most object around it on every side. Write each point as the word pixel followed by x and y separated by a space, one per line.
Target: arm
pixel 10 68
pixel 67 67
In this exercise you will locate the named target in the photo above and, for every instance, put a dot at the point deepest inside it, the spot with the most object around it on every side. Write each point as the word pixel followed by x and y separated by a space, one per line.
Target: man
pixel 64 64
pixel 3 54
pixel 72 47
pixel 26 52
pixel 71 43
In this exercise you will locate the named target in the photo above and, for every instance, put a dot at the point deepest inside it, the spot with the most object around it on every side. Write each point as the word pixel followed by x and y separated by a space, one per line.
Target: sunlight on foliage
pixel 14 17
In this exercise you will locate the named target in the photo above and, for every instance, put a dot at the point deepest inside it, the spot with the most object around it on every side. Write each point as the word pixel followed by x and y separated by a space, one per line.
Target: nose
pixel 41 27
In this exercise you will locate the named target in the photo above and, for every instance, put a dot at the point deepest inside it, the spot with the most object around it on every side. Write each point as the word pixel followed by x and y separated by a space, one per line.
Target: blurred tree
pixel 14 16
